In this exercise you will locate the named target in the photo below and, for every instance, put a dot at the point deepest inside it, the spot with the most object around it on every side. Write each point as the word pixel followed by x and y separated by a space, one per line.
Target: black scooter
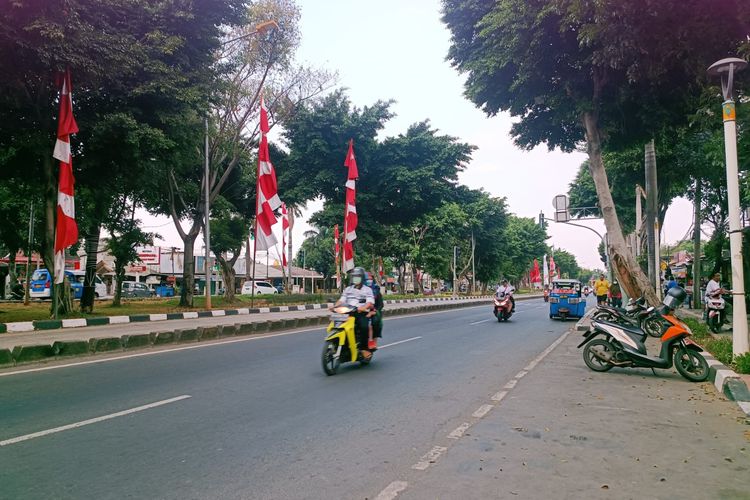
pixel 635 314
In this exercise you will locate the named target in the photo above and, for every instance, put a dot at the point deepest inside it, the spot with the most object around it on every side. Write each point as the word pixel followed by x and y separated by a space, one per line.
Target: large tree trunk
pixel 89 282
pixel 697 247
pixel 228 274
pixel 632 278
pixel 119 277
pixel 188 268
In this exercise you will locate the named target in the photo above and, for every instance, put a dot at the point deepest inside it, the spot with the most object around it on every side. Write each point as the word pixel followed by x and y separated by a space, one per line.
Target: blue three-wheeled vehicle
pixel 565 299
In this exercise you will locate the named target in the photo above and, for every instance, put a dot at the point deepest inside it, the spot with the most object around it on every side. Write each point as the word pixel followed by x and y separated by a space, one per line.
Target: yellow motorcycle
pixel 341 341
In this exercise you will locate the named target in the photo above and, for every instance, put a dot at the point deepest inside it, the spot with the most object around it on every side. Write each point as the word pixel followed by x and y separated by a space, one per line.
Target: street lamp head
pixel 726 68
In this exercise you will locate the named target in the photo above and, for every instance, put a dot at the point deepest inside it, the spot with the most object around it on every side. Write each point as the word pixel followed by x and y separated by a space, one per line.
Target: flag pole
pixel 255 253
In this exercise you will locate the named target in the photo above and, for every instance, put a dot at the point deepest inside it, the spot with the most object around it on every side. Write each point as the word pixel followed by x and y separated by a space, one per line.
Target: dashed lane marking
pixel 499 396
pixel 520 374
pixel 392 490
pixel 478 322
pixel 399 342
pixel 430 458
pixel 511 384
pixel 459 431
pixel 482 411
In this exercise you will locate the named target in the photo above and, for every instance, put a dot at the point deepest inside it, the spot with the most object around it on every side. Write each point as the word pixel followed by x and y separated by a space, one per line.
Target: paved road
pixel 262 420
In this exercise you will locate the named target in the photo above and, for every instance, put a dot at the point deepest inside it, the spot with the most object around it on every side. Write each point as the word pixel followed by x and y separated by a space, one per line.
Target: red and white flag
pixel 284 229
pixel 337 253
pixel 66 232
pixel 552 269
pixel 350 214
pixel 267 191
pixel 535 274
pixel 380 268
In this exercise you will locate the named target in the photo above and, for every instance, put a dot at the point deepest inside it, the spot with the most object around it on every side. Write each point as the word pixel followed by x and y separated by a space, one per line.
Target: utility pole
pixel 697 247
pixel 473 267
pixel 28 256
pixel 207 226
pixel 652 220
pixel 454 271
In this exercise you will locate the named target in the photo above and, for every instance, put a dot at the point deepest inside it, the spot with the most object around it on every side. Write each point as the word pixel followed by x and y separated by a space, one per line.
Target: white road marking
pixel 478 322
pixel 90 421
pixel 392 490
pixel 430 458
pixel 511 384
pixel 459 431
pixel 399 342
pixel 499 396
pixel 520 374
pixel 482 411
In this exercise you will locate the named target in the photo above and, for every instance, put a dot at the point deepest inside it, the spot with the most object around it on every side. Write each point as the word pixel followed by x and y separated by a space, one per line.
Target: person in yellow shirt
pixel 601 288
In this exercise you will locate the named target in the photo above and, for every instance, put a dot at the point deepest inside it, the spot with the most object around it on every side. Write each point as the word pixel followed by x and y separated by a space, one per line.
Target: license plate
pixel 563 296
pixel 37 287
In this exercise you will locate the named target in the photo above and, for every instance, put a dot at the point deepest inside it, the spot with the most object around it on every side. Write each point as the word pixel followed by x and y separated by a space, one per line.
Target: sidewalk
pixel 42 345
pixel 564 431
pixel 728 383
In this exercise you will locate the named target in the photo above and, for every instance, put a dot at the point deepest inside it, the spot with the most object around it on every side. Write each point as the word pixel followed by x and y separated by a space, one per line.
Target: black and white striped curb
pixel 728 383
pixel 54 324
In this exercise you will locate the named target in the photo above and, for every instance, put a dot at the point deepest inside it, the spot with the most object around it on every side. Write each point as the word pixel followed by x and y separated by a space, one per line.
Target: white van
pixel 100 289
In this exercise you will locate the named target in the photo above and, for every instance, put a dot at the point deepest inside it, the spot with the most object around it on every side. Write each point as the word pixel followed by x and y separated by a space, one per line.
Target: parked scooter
pixel 635 314
pixel 503 308
pixel 341 341
pixel 716 314
pixel 624 346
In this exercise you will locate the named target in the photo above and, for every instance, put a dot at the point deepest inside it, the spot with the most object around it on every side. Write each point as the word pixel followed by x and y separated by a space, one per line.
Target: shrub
pixel 742 363
pixel 699 329
pixel 721 349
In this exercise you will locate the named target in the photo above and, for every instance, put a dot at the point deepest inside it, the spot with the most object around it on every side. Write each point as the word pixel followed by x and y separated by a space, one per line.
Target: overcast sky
pixel 393 49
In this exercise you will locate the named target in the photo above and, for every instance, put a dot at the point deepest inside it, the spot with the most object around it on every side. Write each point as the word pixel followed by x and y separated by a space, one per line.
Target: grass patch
pixel 721 349
pixel 742 363
pixel 699 329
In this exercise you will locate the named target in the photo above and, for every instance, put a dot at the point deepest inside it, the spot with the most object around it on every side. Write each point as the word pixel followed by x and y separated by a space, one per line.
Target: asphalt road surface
pixel 436 415
pixel 262 420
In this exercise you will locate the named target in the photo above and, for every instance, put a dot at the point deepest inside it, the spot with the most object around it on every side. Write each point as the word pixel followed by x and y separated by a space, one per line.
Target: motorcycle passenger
pixel 601 287
pixel 713 285
pixel 714 288
pixel 505 289
pixel 359 296
pixel 376 315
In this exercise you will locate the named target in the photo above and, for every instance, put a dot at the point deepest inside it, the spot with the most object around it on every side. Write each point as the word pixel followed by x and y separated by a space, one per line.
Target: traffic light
pixel 542 222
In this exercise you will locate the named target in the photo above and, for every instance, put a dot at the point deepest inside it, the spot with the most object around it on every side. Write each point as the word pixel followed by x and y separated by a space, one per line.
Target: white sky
pixel 392 49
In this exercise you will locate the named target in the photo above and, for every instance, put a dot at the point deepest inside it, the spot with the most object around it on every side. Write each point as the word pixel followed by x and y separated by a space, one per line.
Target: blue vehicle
pixel 41 283
pixel 565 299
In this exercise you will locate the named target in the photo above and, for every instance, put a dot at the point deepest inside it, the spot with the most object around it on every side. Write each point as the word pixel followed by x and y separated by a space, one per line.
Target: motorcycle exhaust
pixel 607 358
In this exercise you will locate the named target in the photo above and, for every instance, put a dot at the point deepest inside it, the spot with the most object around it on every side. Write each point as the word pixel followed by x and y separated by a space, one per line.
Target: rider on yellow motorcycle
pixel 359 296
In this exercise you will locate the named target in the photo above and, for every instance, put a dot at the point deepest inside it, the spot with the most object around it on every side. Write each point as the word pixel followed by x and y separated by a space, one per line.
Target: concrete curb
pixel 24 354
pixel 29 326
pixel 728 383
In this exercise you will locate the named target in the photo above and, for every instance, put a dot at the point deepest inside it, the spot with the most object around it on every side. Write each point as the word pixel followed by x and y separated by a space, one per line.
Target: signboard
pixel 136 269
pixel 149 254
pixel 560 202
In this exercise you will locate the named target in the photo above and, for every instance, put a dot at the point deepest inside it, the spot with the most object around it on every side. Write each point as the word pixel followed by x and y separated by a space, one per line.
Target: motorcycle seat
pixel 631 329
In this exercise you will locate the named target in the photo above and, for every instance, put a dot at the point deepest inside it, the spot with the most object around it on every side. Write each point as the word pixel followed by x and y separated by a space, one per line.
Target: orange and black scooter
pixel 624 346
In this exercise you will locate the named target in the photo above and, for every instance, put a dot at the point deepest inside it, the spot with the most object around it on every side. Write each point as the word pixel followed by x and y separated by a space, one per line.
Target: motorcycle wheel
pixel 499 318
pixel 591 360
pixel 330 362
pixel 691 364
pixel 652 326
pixel 714 324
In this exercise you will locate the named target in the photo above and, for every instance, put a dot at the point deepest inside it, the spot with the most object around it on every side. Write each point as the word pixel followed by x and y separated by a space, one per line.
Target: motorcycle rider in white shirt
pixel 506 289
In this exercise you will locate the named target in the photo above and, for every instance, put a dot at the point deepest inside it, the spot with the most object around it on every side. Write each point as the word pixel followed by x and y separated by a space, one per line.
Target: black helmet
pixel 674 297
pixel 357 272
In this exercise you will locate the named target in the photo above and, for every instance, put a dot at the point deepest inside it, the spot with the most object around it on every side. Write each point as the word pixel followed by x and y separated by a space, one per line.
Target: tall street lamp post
pixel 260 28
pixel 726 68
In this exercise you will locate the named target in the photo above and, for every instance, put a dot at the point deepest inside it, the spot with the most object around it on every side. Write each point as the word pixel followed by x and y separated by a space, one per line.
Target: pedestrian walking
pixel 601 288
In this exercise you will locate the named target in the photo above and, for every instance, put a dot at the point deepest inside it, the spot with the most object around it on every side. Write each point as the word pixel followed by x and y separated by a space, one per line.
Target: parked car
pixel 132 289
pixel 261 288
pixel 100 289
pixel 41 281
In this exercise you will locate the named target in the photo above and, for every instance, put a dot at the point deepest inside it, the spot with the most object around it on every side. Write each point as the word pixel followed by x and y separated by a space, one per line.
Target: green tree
pixel 566 263
pixel 524 241
pixel 603 72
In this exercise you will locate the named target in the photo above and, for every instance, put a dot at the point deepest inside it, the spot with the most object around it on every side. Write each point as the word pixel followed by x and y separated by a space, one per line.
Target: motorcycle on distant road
pixel 503 308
